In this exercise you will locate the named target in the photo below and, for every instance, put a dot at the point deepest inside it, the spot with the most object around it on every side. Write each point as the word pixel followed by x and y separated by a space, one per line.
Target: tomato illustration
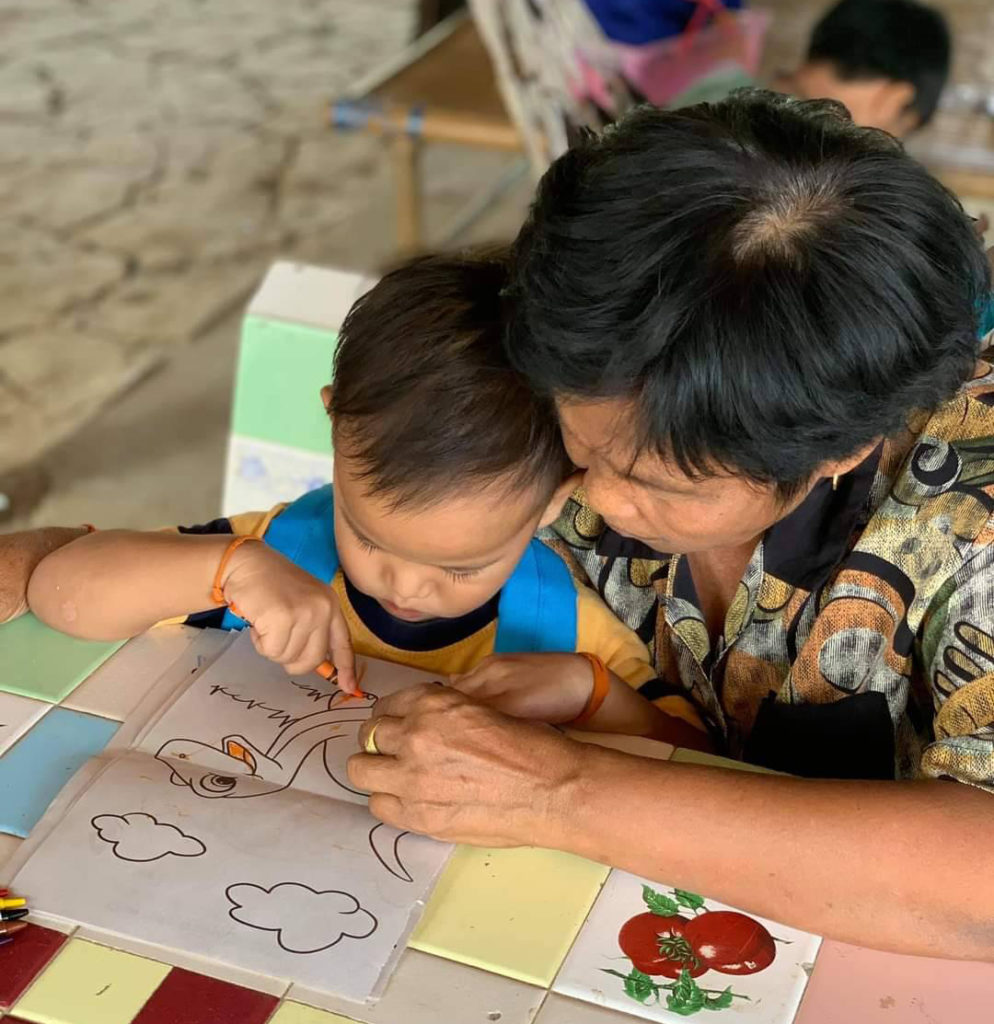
pixel 655 944
pixel 730 942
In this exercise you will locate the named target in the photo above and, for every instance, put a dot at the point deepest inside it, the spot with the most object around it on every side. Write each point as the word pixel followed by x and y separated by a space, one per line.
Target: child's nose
pixel 410 584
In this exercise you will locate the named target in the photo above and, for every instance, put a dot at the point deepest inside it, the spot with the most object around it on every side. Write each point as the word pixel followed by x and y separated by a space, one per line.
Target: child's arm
pixel 20 553
pixel 555 688
pixel 118 583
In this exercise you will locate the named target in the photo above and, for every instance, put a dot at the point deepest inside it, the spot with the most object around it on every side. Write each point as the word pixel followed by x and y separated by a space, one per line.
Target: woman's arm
pixel 20 554
pixel 899 866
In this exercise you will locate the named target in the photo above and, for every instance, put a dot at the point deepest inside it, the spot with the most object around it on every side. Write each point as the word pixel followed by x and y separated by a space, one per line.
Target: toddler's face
pixel 437 562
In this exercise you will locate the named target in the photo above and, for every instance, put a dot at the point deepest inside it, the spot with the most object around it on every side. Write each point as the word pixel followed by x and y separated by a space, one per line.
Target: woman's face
pixel 653 501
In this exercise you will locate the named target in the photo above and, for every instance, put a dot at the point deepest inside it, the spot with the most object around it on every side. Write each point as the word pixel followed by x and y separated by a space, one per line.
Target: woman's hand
pixel 545 687
pixel 454 769
pixel 20 554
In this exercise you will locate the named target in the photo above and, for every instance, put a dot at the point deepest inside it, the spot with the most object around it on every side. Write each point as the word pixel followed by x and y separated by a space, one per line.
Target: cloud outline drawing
pixel 160 838
pixel 265 910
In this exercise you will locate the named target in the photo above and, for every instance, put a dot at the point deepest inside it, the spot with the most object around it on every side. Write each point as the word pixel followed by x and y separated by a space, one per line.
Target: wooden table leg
pixel 407 152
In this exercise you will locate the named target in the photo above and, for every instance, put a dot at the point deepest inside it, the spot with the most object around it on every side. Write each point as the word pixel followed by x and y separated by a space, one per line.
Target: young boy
pixel 886 60
pixel 446 464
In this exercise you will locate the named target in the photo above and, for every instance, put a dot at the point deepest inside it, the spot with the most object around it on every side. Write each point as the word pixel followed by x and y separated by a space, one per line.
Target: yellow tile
pixel 91 984
pixel 514 912
pixel 297 1013
pixel 682 756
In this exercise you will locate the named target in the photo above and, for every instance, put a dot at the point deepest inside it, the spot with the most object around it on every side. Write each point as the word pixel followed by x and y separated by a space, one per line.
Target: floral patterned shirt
pixel 860 641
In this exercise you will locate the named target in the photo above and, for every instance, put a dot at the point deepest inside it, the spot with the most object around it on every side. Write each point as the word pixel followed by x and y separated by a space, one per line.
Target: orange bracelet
pixel 217 593
pixel 602 684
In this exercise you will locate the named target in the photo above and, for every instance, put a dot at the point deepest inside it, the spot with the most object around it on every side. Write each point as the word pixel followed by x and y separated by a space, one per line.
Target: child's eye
pixel 365 544
pixel 460 575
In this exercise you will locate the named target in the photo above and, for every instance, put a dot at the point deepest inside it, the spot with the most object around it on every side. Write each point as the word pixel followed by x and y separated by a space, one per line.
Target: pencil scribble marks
pixel 139 837
pixel 304 920
pixel 384 841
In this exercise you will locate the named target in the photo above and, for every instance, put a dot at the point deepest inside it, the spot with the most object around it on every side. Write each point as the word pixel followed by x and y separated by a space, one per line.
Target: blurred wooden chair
pixel 441 89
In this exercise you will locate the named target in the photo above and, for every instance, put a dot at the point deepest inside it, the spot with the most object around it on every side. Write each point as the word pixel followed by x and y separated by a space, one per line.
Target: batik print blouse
pixel 860 641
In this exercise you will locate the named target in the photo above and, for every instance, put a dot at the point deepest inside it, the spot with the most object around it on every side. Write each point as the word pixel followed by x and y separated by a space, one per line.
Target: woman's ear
pixel 326 394
pixel 558 499
pixel 839 467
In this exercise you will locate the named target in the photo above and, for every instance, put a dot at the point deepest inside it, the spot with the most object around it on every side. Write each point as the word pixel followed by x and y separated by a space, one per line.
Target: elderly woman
pixel 758 323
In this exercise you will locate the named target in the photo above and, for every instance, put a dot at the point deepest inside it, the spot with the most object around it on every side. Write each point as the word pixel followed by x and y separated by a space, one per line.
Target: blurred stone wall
pixel 154 156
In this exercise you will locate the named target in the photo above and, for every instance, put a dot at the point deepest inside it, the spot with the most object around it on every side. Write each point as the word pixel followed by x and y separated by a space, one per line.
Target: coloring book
pixel 222 823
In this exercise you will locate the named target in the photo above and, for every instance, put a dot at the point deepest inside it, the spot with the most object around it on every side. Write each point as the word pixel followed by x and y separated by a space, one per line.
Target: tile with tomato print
pixel 665 954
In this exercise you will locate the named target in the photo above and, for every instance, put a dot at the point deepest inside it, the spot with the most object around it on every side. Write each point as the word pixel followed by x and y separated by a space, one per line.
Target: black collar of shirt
pixel 430 635
pixel 803 547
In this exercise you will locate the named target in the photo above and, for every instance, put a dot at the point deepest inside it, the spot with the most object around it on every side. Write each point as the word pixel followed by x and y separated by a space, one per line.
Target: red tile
pixel 22 960
pixel 188 998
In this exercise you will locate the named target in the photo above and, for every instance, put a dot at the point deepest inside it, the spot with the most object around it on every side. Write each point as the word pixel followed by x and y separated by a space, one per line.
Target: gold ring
pixel 370 746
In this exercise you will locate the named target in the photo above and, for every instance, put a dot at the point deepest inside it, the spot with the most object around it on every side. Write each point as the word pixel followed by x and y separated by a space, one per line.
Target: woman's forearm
pixel 907 867
pixel 20 554
pixel 117 583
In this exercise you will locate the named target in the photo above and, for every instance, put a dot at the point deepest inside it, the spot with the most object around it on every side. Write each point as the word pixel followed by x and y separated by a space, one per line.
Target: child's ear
pixel 326 398
pixel 892 109
pixel 558 499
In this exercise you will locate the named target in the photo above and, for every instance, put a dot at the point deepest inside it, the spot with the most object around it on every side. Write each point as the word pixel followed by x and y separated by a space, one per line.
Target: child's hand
pixel 20 554
pixel 295 619
pixel 551 688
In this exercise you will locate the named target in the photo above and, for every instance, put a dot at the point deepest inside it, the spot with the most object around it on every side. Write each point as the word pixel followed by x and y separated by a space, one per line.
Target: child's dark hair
pixel 424 398
pixel 901 40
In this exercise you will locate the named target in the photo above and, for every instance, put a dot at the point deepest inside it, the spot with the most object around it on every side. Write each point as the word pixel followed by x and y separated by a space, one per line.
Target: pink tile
pixel 22 960
pixel 188 998
pixel 851 985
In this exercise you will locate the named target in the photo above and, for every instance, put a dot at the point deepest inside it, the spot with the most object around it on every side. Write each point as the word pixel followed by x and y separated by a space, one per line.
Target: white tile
pixel 261 474
pixel 8 847
pixel 767 993
pixel 560 1010
pixel 17 715
pixel 305 294
pixel 120 684
pixel 429 990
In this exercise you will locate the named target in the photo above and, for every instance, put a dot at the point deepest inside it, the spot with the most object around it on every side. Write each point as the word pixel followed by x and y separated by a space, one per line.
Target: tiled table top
pixel 487 950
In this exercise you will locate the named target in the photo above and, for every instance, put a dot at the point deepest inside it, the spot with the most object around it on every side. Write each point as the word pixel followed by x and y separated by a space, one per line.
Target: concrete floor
pixel 155 455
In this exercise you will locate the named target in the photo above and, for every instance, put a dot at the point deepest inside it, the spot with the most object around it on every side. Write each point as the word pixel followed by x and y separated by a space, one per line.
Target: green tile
pixel 36 661
pixel 281 370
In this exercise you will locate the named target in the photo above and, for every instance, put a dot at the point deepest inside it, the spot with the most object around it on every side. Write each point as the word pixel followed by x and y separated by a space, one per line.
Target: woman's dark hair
pixel 771 285
pixel 900 40
pixel 424 398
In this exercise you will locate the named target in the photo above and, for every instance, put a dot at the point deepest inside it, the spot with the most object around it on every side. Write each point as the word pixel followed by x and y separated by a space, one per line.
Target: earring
pixel 835 482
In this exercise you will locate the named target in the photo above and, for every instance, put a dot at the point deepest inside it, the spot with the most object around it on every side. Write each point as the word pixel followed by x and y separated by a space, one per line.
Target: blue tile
pixel 36 768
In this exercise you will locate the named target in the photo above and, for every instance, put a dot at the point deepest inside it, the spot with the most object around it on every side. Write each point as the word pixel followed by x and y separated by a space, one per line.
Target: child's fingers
pixel 342 655
pixel 311 654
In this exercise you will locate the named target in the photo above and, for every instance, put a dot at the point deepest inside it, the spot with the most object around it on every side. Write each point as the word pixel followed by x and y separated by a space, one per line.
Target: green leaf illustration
pixel 658 903
pixel 639 986
pixel 690 900
pixel 719 1002
pixel 685 996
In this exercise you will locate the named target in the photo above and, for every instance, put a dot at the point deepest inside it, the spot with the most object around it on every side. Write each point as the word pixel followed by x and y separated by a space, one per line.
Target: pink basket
pixel 664 70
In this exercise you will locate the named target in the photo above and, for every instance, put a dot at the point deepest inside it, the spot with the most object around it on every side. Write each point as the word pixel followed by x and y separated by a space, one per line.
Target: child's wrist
pixel 231 558
pixel 600 685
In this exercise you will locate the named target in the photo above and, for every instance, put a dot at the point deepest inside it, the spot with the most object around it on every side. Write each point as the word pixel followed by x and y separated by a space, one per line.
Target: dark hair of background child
pixel 900 40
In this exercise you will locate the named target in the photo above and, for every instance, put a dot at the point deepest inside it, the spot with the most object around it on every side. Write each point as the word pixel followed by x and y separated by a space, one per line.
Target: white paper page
pixel 291 884
pixel 245 728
